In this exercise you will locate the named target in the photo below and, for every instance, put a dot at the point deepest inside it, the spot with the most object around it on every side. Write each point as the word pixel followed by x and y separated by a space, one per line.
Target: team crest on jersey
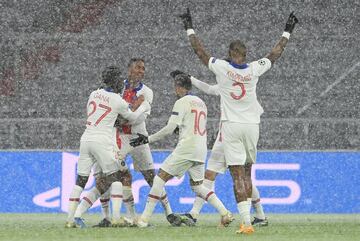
pixel 261 62
pixel 175 113
pixel 213 60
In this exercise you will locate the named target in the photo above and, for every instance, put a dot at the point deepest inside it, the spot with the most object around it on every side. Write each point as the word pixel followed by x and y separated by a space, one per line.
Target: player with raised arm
pixel 96 144
pixel 240 110
pixel 217 164
pixel 189 114
pixel 134 90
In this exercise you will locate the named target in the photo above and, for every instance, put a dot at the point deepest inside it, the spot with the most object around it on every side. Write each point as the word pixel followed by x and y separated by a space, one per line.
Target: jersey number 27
pixel 105 109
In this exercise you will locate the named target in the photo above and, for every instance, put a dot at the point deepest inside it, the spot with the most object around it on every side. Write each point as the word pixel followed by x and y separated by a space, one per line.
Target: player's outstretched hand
pixel 177 72
pixel 290 24
pixel 140 140
pixel 186 18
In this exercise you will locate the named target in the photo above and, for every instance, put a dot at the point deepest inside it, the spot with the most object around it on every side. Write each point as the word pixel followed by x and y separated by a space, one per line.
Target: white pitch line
pixel 337 81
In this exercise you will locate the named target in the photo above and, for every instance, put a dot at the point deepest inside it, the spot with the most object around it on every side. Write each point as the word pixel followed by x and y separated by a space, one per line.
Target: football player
pixel 96 144
pixel 217 164
pixel 240 110
pixel 189 114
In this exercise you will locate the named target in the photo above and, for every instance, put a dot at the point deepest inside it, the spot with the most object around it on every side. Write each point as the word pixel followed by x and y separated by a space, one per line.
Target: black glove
pixel 177 72
pixel 176 131
pixel 186 18
pixel 141 140
pixel 290 24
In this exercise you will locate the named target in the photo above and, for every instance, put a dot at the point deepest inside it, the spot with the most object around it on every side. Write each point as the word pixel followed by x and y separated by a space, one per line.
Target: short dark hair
pixel 183 80
pixel 237 47
pixel 134 60
pixel 111 75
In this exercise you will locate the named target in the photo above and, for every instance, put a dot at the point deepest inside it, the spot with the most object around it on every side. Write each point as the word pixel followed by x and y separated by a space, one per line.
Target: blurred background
pixel 52 54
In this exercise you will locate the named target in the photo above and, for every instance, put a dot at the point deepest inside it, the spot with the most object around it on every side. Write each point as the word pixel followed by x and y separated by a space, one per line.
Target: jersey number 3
pixel 198 115
pixel 104 108
pixel 243 91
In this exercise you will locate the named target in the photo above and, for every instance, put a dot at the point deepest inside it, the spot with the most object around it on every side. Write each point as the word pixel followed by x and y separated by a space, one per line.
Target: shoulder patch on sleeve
pixel 262 62
pixel 213 60
pixel 174 113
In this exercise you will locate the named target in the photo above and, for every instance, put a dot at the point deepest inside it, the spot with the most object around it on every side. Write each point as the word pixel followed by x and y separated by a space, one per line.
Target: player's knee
pixel 126 178
pixel 109 179
pixel 210 175
pixel 149 176
pixel 81 181
pixel 164 175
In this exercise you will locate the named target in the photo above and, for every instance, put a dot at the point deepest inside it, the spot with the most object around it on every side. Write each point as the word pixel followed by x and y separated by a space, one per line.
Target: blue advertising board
pixel 289 182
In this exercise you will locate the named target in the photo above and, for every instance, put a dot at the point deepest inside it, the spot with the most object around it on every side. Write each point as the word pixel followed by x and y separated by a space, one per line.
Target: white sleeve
pixel 132 116
pixel 215 65
pixel 261 66
pixel 149 97
pixel 167 130
pixel 208 89
pixel 139 120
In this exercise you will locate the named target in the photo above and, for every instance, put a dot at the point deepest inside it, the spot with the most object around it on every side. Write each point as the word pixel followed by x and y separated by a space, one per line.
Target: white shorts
pixel 177 168
pixel 216 162
pixel 141 155
pixel 96 153
pixel 240 141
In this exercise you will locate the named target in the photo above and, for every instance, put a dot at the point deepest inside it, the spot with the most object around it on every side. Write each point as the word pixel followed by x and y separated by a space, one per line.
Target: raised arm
pixel 208 89
pixel 195 41
pixel 280 46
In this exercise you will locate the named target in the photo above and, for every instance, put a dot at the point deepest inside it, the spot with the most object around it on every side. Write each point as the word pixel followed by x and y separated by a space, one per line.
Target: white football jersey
pixel 237 88
pixel 103 107
pixel 190 115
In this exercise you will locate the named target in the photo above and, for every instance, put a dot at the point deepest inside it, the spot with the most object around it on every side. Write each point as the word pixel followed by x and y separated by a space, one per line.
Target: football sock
pixel 244 210
pixel 165 203
pixel 199 202
pixel 116 195
pixel 128 200
pixel 154 196
pixel 210 197
pixel 74 202
pixel 255 198
pixel 87 202
pixel 104 200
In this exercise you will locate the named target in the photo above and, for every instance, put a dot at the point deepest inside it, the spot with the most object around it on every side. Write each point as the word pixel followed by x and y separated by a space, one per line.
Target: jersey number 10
pixel 198 115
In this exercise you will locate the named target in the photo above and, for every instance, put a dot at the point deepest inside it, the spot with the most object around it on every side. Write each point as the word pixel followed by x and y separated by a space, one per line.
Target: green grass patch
pixel 282 227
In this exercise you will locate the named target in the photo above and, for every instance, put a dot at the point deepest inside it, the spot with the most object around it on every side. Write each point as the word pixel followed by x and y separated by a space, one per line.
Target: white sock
pixel 74 202
pixel 197 206
pixel 104 200
pixel 116 199
pixel 199 202
pixel 165 203
pixel 128 200
pixel 255 198
pixel 210 197
pixel 87 202
pixel 244 210
pixel 153 198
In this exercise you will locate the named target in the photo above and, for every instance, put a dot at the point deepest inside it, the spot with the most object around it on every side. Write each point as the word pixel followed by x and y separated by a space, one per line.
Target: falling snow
pixel 52 54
